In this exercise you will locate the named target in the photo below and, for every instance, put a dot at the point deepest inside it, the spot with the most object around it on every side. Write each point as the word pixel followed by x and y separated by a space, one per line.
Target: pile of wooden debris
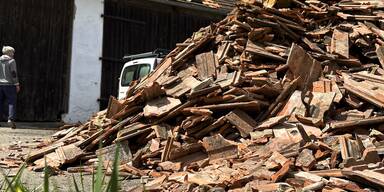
pixel 267 99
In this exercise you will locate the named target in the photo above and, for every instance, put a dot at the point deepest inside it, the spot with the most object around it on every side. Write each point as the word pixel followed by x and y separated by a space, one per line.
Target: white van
pixel 137 67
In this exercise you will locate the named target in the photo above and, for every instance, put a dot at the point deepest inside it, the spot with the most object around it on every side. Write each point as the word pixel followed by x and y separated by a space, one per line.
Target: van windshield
pixel 134 72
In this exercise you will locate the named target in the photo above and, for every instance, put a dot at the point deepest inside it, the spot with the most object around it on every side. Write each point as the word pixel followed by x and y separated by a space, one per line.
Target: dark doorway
pixel 41 32
pixel 132 27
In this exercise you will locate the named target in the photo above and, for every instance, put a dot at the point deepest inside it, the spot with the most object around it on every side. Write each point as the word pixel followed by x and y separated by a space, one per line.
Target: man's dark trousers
pixel 8 92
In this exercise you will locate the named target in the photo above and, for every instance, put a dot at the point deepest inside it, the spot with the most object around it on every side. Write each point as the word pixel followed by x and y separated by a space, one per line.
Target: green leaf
pixel 46 177
pixel 113 184
pixel 8 182
pixel 99 179
pixel 15 184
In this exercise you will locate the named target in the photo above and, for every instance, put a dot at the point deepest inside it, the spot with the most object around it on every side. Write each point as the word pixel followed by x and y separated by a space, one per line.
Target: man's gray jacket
pixel 8 71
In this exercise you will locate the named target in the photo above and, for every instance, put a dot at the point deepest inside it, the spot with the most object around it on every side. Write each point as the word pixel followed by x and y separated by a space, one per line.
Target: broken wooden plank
pixel 328 173
pixel 41 152
pixel 218 123
pixel 279 175
pixel 242 121
pixel 380 55
pixel 303 66
pixel 206 64
pixel 353 123
pixel 167 149
pixel 326 86
pixel 371 177
pixel 250 106
pixel 69 153
pixel 340 43
pixel 369 91
pixel 277 104
pixel 161 131
pixel 163 66
pixel 184 150
pixel 183 87
pixel 160 107
pixel 109 153
pixel 218 147
pixel 269 123
pixel 257 50
pixel 305 160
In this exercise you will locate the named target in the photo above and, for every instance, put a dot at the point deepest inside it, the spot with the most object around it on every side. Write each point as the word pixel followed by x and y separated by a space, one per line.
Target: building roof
pixel 227 5
pixel 217 6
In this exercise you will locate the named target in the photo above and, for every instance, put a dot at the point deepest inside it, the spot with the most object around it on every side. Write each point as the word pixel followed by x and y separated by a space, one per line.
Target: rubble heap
pixel 267 99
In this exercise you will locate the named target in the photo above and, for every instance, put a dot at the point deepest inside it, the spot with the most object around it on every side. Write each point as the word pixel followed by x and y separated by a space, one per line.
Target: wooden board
pixel 182 87
pixel 206 64
pixel 218 147
pixel 69 153
pixel 41 152
pixel 160 107
pixel 303 65
pixel 380 55
pixel 340 43
pixel 114 106
pixel 226 79
pixel 164 65
pixel 320 103
pixel 257 50
pixel 50 160
pixel 243 122
pixel 326 86
pixel 370 177
pixel 108 153
pixel 131 129
pixel 369 91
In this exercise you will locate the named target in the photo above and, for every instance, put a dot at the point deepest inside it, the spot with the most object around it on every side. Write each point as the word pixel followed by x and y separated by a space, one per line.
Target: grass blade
pixel 18 174
pixel 8 182
pixel 99 178
pixel 15 184
pixel 75 183
pixel 113 184
pixel 46 177
pixel 82 181
pixel 93 181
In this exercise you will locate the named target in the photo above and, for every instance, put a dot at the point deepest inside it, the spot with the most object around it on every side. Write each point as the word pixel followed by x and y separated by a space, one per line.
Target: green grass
pixel 99 183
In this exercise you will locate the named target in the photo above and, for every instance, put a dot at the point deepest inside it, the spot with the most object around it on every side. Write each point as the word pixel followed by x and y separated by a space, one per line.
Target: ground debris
pixel 285 97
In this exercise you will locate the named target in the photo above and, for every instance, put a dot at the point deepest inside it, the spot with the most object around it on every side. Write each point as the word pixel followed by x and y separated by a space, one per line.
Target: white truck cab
pixel 137 67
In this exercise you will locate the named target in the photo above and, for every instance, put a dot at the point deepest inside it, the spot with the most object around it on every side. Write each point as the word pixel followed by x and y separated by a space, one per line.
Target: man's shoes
pixel 11 124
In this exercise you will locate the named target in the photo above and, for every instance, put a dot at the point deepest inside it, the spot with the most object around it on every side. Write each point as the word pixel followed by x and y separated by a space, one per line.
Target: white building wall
pixel 85 78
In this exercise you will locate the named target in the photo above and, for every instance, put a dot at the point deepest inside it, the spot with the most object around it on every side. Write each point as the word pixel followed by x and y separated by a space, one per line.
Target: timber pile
pixel 268 99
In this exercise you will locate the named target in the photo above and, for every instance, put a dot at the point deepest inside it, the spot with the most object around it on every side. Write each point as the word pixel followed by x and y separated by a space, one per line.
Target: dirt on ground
pixel 27 139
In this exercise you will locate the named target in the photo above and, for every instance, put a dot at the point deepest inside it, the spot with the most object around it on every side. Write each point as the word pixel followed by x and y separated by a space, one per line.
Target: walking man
pixel 9 83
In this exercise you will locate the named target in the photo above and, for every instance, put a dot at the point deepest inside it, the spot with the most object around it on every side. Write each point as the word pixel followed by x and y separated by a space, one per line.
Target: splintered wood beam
pixel 380 55
pixel 340 43
pixel 359 122
pixel 251 106
pixel 242 121
pixel 257 50
pixel 206 64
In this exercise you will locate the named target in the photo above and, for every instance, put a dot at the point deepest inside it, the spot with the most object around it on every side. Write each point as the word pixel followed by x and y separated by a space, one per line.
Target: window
pixel 134 72
pixel 144 70
pixel 128 75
